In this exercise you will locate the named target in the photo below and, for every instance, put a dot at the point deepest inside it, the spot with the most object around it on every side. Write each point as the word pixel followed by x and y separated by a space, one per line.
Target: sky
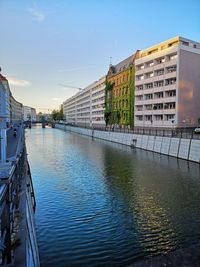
pixel 45 43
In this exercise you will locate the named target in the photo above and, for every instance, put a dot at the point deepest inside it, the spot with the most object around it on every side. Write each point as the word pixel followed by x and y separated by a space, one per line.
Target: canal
pixel 104 204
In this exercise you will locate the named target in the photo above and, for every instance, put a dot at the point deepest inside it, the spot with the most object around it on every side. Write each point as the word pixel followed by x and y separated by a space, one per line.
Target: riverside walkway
pixel 18 246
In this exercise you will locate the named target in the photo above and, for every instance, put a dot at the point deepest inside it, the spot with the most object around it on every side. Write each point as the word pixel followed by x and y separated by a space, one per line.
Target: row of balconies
pixel 156 61
pixel 153 118
pixel 154 84
pixel 157 67
pixel 156 95
pixel 160 72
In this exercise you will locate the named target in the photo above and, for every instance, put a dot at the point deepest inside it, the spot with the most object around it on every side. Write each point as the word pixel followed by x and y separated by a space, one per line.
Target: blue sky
pixel 44 43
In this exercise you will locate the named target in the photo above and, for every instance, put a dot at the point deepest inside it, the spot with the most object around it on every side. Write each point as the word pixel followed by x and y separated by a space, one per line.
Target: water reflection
pixel 103 204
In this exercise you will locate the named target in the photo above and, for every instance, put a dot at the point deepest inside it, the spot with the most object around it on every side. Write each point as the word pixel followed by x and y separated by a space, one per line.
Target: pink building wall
pixel 189 89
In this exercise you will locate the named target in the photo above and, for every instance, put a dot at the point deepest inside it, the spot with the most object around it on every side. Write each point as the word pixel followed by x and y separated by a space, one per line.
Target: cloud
pixel 37 15
pixel 18 82
pixel 76 69
pixel 56 99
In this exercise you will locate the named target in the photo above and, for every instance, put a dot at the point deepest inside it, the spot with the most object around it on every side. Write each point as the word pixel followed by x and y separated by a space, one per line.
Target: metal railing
pixel 9 205
pixel 12 211
pixel 187 133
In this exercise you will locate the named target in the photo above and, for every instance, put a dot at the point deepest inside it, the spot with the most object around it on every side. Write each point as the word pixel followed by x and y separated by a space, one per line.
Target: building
pixel 15 110
pixel 86 108
pixel 29 114
pixel 4 101
pixel 167 82
pixel 119 92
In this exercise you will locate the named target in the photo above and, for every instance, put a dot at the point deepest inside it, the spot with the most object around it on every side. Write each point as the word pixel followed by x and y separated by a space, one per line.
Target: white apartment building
pixel 29 114
pixel 167 85
pixel 86 108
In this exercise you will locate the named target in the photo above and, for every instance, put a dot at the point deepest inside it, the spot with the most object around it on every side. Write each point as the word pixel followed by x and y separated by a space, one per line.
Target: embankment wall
pixel 188 149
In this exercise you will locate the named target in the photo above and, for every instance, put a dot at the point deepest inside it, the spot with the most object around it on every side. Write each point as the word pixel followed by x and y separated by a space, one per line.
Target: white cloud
pixel 17 82
pixel 56 99
pixel 37 14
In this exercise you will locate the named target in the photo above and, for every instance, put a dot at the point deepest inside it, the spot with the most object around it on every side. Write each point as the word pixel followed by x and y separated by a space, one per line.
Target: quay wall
pixel 188 149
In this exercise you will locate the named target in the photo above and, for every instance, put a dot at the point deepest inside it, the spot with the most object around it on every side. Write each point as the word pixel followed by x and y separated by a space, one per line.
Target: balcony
pixel 148 80
pixel 169 111
pixel 139 82
pixel 158 78
pixel 170 75
pixel 139 92
pixel 159 66
pixel 158 89
pixel 139 72
pixel 148 91
pixel 171 62
pixel 170 87
pixel 138 112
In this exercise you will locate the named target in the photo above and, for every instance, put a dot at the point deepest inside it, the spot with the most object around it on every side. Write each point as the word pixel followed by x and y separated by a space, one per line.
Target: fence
pixel 11 215
pixel 187 133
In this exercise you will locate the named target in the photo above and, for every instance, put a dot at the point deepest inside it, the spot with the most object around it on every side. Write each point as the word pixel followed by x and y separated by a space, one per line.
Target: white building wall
pixel 29 113
pixel 86 108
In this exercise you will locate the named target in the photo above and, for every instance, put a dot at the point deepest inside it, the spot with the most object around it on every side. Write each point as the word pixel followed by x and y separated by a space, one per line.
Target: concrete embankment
pixel 188 149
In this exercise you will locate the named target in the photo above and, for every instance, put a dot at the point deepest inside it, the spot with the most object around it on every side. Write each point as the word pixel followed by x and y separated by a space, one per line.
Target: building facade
pixel 29 114
pixel 4 101
pixel 86 108
pixel 167 85
pixel 119 92
pixel 16 113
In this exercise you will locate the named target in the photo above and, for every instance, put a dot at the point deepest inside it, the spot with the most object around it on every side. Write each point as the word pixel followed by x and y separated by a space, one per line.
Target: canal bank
pixel 187 149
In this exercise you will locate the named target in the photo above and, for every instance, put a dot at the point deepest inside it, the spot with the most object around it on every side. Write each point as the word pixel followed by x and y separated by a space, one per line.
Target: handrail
pixel 187 133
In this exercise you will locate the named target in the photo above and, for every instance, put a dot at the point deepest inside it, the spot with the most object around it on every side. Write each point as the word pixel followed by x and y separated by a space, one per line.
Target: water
pixel 104 204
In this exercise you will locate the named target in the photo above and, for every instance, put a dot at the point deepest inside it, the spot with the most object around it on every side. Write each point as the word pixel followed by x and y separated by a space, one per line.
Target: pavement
pixel 12 142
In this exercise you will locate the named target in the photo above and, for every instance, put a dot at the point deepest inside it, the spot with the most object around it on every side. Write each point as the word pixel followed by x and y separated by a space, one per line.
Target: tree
pixel 57 115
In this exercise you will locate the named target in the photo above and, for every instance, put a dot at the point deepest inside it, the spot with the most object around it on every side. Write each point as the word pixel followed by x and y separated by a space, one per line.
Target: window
pixel 159 117
pixel 160 60
pixel 171 105
pixel 159 84
pixel 185 43
pixel 149 64
pixel 139 108
pixel 170 117
pixel 148 96
pixel 139 87
pixel 149 85
pixel 159 72
pixel 158 95
pixel 148 118
pixel 149 75
pixel 139 118
pixel 148 107
pixel 171 69
pixel 170 93
pixel 170 81
pixel 171 57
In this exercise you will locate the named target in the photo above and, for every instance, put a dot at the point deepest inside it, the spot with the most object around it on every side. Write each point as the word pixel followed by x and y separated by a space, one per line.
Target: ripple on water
pixel 102 204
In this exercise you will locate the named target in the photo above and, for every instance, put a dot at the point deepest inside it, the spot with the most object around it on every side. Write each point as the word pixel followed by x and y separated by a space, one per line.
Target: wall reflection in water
pixel 103 204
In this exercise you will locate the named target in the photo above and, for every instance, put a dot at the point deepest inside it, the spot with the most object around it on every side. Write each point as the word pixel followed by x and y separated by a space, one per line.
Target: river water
pixel 105 204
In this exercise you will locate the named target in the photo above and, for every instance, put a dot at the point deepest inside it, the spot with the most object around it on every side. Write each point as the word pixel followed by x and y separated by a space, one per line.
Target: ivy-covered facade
pixel 119 93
